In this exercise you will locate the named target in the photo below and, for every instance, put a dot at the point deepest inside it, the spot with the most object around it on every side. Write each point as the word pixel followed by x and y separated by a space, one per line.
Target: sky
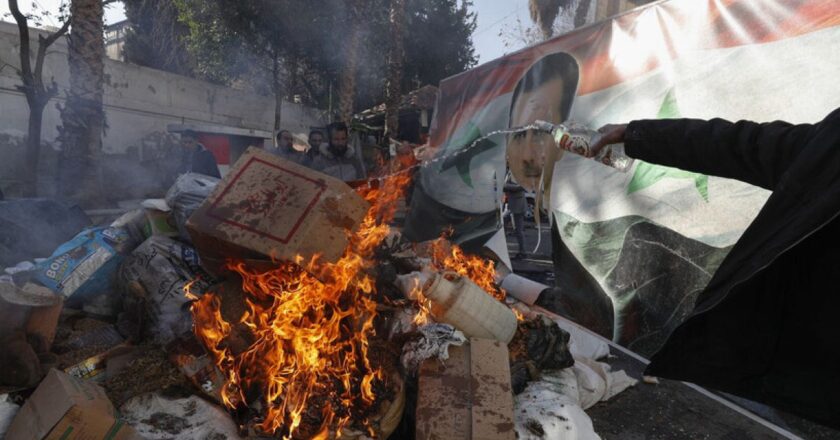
pixel 493 17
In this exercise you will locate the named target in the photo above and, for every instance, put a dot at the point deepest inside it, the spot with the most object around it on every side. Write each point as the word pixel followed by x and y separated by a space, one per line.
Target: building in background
pixel 115 39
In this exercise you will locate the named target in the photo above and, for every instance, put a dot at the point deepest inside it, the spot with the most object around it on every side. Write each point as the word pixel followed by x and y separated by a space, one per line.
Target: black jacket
pixel 199 161
pixel 767 326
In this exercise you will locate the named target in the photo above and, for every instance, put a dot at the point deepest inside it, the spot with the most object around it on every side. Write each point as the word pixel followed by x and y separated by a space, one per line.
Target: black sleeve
pixel 748 151
pixel 207 165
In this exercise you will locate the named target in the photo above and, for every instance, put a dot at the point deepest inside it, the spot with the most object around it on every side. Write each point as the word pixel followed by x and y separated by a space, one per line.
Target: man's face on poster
pixel 527 151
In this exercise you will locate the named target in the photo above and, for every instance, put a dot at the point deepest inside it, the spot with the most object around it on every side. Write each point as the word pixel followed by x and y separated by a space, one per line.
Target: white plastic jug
pixel 457 301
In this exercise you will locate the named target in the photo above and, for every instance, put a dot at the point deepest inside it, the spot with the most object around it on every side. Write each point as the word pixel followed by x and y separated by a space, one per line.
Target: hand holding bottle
pixel 604 147
pixel 611 134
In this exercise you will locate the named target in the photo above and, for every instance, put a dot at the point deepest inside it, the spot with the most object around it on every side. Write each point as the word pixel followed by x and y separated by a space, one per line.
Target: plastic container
pixel 457 301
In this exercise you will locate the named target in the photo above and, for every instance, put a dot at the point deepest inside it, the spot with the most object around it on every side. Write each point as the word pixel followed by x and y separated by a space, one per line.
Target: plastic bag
pixel 84 264
pixel 186 195
pixel 160 268
pixel 154 416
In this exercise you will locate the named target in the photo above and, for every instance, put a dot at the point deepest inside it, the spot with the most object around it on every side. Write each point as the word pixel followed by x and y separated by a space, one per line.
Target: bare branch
pixel 23 32
pixel 44 43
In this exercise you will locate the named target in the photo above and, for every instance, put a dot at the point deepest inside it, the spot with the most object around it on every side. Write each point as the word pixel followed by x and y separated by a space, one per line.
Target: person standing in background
pixel 196 158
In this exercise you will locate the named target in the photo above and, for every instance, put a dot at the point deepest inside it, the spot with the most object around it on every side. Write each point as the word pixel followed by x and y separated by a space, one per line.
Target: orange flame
pixel 310 324
pixel 450 256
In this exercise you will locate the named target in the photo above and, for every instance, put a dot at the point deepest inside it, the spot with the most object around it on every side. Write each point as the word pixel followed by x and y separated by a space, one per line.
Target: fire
pixel 449 256
pixel 310 325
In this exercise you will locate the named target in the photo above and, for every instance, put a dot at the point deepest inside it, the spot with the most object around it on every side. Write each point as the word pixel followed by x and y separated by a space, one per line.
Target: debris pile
pixel 277 303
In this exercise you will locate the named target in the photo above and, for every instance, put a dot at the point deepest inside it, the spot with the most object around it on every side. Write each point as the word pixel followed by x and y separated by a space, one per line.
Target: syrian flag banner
pixel 649 239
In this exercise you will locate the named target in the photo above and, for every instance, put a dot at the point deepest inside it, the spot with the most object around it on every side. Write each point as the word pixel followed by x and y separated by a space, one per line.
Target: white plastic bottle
pixel 579 139
pixel 459 302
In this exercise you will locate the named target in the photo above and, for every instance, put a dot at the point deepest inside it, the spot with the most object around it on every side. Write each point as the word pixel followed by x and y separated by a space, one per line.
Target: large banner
pixel 649 239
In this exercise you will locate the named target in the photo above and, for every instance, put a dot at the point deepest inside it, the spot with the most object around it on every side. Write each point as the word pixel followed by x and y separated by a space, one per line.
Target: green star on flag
pixel 648 174
pixel 463 161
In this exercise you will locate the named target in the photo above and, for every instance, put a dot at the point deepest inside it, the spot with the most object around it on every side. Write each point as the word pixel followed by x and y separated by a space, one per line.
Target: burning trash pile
pixel 281 303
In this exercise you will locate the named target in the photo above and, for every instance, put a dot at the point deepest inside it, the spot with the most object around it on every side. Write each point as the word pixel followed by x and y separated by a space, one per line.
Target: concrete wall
pixel 138 101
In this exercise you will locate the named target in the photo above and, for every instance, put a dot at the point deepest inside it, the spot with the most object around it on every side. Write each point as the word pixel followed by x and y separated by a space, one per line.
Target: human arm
pixel 756 153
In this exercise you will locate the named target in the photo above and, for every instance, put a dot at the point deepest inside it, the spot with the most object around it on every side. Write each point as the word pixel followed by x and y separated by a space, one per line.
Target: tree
pixel 156 37
pixel 82 116
pixel 544 12
pixel 37 93
pixel 291 48
pixel 429 56
pixel 347 89
pixel 393 89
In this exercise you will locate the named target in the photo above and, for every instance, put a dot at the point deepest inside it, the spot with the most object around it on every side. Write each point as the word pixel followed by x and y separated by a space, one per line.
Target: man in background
pixel 196 158
pixel 337 158
pixel 516 205
pixel 286 150
pixel 315 140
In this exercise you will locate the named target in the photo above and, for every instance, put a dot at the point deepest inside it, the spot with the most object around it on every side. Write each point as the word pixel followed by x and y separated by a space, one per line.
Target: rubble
pixel 147 370
pixel 299 313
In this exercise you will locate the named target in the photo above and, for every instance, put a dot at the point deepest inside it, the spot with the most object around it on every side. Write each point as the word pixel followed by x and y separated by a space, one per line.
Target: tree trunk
pixel 33 147
pixel 37 94
pixel 395 69
pixel 581 11
pixel 82 117
pixel 277 88
pixel 347 92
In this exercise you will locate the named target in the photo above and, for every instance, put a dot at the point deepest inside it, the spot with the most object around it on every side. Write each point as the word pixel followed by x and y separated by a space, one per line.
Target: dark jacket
pixel 516 198
pixel 766 327
pixel 346 167
pixel 199 161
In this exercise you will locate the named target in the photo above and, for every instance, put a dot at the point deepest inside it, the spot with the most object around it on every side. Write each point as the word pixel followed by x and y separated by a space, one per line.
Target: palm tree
pixel 347 88
pixel 395 67
pixel 82 116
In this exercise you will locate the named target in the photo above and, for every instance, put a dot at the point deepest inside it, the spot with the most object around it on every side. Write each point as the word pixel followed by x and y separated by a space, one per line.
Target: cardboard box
pixel 267 208
pixel 64 407
pixel 42 324
pixel 468 396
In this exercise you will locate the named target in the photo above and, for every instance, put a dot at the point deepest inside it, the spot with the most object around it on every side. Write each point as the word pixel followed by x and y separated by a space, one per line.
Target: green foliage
pixel 156 36
pixel 437 41
pixel 238 42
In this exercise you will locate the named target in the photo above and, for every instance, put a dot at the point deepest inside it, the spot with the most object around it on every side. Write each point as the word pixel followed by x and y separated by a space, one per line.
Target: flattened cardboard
pixel 67 408
pixel 469 396
pixel 267 208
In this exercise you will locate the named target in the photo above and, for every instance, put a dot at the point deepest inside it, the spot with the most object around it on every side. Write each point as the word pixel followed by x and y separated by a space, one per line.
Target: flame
pixel 310 323
pixel 450 256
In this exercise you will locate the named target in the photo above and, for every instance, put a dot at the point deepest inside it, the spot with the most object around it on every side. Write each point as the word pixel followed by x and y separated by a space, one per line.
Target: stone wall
pixel 139 102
